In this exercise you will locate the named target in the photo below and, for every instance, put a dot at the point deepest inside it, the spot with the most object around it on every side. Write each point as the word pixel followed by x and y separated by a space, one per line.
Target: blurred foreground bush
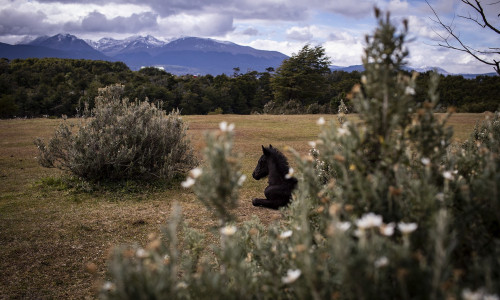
pixel 386 208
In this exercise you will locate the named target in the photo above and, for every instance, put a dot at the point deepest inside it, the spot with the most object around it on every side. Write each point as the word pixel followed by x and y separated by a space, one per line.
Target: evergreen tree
pixel 302 76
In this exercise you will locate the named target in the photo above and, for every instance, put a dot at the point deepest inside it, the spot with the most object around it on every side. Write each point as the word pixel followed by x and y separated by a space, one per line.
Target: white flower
pixel 108 286
pixel 344 226
pixel 369 220
pixel 425 161
pixel 195 173
pixel 321 121
pixel 228 230
pixel 290 173
pixel 242 179
pixel 223 126
pixel 341 131
pixel 189 182
pixel 291 276
pixel 470 295
pixel 363 79
pixel 448 175
pixel 381 262
pixel 407 228
pixel 480 294
pixel 286 234
pixel 166 258
pixel 141 253
pixel 181 285
pixel 409 90
pixel 440 196
pixel 387 229
pixel 312 144
pixel 359 233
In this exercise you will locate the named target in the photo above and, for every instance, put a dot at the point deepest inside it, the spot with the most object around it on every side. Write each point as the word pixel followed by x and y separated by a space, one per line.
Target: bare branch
pixel 452 35
pixel 480 10
pixel 473 20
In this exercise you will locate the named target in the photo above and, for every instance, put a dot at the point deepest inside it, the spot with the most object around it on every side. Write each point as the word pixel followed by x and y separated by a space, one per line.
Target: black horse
pixel 274 164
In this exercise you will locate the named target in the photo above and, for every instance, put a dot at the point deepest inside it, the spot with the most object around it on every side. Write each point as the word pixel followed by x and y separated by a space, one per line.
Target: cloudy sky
pixel 282 25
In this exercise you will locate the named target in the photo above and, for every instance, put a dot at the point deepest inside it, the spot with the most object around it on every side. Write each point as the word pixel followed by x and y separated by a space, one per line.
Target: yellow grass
pixel 49 234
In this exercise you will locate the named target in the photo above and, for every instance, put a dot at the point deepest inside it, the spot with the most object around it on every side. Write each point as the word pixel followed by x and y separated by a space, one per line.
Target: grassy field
pixel 49 233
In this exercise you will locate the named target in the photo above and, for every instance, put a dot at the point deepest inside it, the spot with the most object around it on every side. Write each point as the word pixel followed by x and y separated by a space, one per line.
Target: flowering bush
pixel 398 212
pixel 121 140
pixel 217 182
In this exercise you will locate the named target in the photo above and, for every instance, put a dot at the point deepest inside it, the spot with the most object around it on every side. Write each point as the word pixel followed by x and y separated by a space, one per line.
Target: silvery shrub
pixel 120 140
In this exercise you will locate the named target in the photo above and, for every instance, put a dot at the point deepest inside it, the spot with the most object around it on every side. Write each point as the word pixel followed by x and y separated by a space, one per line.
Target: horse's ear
pixel 270 146
pixel 264 150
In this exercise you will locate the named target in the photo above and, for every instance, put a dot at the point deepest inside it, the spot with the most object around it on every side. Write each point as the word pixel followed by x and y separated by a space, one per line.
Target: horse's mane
pixel 280 159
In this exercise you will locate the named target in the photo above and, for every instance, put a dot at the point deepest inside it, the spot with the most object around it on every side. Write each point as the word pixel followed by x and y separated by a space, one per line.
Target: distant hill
pixel 349 69
pixel 187 55
pixel 60 46
pixel 441 71
pixel 182 56
pixel 69 45
pixel 199 56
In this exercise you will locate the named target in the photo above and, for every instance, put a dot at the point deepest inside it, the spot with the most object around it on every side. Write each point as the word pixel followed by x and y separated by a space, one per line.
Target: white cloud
pixel 285 47
pixel 353 9
pixel 190 25
pixel 397 6
pixel 13 22
pixel 344 52
pixel 422 55
pixel 98 22
pixel 302 34
pixel 281 25
pixel 250 31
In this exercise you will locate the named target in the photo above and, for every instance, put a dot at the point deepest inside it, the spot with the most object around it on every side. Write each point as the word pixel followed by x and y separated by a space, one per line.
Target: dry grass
pixel 49 233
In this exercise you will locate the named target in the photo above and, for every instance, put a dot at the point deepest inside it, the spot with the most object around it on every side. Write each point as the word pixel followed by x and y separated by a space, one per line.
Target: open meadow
pixel 51 233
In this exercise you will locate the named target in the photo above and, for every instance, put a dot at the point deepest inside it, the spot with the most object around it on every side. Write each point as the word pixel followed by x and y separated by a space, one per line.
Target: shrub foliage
pixel 120 140
pixel 386 208
pixel 217 182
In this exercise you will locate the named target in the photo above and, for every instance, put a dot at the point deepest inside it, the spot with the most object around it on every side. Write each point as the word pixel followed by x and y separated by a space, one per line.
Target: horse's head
pixel 262 169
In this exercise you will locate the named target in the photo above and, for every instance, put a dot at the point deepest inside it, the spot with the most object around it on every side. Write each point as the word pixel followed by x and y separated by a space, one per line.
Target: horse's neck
pixel 274 177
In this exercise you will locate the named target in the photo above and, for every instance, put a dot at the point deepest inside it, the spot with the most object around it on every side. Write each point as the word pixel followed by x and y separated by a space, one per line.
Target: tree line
pixel 302 84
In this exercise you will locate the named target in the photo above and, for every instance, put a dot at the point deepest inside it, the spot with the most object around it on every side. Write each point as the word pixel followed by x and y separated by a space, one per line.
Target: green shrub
pixel 386 208
pixel 217 111
pixel 120 140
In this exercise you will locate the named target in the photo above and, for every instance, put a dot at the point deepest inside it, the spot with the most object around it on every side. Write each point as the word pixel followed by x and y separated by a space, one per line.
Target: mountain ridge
pixel 185 55
pixel 360 68
pixel 180 56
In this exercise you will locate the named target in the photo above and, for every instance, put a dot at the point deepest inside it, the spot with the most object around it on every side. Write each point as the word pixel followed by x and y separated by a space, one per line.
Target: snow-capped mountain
pixel 186 55
pixel 106 45
pixel 112 47
pixel 59 45
pixel 212 45
pixel 66 42
pixel 30 38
